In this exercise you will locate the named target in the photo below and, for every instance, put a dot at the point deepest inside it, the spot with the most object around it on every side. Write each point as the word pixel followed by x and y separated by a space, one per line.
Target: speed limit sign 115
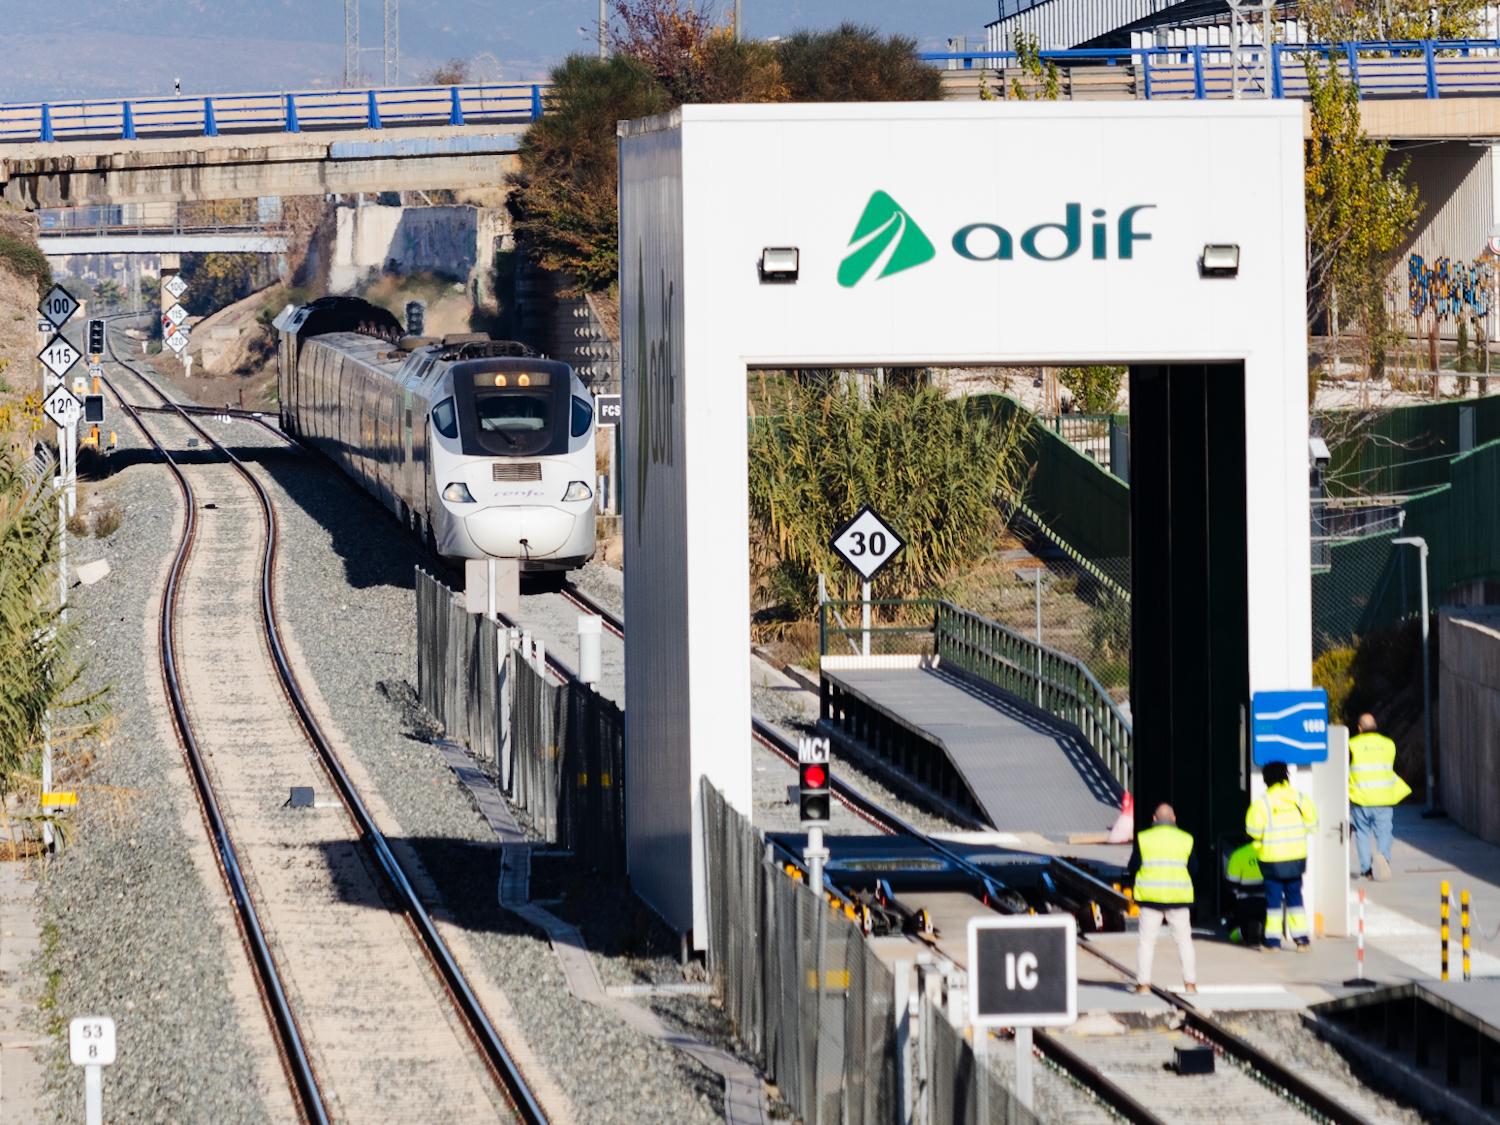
pixel 867 542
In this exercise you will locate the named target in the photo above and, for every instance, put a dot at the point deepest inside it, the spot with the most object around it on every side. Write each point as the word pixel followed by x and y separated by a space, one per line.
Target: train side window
pixel 583 414
pixel 445 418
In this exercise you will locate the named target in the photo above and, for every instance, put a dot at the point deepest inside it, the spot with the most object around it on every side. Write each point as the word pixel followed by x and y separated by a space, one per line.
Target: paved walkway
pixel 21 1091
pixel 1401 932
pixel 1029 772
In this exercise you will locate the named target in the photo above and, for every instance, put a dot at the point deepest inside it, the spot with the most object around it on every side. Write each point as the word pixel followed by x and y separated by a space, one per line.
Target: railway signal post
pixel 813 803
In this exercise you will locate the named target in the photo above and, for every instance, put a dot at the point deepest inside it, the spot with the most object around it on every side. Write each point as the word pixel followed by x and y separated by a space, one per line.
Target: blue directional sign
pixel 1289 726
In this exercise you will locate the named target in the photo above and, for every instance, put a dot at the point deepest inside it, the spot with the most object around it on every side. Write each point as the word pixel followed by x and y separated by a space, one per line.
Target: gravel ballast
pixel 345 592
pixel 131 927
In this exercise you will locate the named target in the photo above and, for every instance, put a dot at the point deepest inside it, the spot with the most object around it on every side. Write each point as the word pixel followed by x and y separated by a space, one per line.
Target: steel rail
pixel 1291 1085
pixel 511 1079
pixel 293 1050
pixel 1286 1082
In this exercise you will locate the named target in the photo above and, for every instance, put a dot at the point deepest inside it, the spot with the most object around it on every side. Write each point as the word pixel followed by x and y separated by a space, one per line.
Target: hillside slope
pixel 23 273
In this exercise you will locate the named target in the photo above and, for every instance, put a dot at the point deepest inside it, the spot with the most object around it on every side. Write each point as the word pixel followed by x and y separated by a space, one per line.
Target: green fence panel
pixel 1405 450
pixel 1084 504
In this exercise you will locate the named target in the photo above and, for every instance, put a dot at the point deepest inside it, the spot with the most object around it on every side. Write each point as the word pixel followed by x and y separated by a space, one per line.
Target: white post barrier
pixel 1358 980
pixel 91 1045
pixel 590 652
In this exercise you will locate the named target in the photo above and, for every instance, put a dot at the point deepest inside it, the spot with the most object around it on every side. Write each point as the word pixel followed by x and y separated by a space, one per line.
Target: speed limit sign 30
pixel 867 542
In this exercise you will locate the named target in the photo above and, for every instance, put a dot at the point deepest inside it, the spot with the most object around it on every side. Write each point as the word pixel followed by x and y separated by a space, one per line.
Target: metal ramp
pixel 969 744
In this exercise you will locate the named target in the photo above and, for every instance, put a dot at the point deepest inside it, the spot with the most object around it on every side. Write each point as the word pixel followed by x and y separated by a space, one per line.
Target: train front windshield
pixel 514 421
pixel 514 412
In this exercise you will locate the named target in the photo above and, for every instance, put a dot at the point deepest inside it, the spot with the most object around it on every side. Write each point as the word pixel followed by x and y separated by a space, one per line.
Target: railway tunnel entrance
pixel 736 254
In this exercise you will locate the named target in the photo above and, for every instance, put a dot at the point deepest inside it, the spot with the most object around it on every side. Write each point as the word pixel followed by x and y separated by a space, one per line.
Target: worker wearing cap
pixel 1375 790
pixel 1248 890
pixel 1278 823
pixel 1163 865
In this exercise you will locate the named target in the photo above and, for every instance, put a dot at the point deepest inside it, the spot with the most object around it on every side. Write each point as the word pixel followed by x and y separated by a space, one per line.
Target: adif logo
pixel 887 236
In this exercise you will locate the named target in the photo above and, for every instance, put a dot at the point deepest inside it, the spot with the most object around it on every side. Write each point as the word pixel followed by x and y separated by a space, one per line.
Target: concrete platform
pixel 1402 914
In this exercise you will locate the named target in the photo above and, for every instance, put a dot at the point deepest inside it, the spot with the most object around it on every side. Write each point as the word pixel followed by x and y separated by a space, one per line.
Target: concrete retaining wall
pixel 1469 717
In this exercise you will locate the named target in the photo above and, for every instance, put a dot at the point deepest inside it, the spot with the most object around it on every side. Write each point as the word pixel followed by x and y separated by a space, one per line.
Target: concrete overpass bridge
pixel 228 146
pixel 225 146
pixel 1409 91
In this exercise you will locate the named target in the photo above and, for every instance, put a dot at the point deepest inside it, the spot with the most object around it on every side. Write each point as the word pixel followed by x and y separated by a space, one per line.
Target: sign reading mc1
pixel 1023 971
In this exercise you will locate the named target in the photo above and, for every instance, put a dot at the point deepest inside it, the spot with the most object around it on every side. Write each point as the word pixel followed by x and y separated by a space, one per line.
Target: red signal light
pixel 815 776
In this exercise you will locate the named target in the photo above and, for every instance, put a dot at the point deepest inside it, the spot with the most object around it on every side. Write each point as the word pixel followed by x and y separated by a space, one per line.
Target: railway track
pixel 372 1015
pixel 1261 1072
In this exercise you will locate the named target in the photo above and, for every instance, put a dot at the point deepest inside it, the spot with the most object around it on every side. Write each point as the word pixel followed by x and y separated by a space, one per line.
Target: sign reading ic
pixel 1023 971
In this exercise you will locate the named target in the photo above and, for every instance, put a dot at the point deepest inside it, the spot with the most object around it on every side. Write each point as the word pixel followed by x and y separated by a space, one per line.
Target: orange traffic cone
pixel 1123 831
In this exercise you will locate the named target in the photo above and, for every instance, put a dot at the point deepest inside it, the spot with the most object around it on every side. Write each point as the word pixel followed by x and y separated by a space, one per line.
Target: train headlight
pixel 458 492
pixel 577 490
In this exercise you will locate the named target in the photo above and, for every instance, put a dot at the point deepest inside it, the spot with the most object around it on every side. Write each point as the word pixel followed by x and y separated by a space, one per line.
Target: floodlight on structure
pixel 779 263
pixel 1220 259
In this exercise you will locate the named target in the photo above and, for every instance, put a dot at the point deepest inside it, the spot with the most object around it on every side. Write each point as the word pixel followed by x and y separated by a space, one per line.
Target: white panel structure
pixel 1007 232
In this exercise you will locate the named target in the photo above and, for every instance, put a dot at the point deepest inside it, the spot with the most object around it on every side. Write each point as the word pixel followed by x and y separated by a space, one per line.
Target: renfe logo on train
pixel 887 236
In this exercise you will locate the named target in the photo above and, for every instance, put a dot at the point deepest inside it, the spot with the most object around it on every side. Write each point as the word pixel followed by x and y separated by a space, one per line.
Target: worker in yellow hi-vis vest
pixel 1163 865
pixel 1374 792
pixel 1278 823
pixel 1247 918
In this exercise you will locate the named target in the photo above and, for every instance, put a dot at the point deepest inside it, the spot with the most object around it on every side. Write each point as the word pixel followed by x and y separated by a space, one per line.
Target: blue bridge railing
pixel 1408 69
pixel 1430 68
pixel 307 111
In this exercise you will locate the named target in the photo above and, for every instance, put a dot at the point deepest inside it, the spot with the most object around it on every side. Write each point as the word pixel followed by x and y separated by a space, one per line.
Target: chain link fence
pixel 557 751
pixel 817 1007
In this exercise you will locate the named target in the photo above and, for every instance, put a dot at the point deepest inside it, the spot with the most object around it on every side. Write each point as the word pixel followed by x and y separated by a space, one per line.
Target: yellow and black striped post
pixel 1443 915
pixel 1463 920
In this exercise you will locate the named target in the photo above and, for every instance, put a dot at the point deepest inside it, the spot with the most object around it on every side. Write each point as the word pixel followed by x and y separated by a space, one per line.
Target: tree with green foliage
pixel 1095 390
pixel 564 196
pixel 934 467
pixel 217 280
pixel 855 64
pixel 668 53
pixel 1346 21
pixel 1039 79
pixel 1359 211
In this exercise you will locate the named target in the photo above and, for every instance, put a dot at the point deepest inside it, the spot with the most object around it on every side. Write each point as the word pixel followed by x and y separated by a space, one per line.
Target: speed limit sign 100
pixel 867 542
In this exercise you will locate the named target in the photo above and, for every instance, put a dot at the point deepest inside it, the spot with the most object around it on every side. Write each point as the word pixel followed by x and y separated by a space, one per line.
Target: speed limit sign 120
pixel 867 542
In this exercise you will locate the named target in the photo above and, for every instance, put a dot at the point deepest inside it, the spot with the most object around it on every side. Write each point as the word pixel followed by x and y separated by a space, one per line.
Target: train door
pixel 408 477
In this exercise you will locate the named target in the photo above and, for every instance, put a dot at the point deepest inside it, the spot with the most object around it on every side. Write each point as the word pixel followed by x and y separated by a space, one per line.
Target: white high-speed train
pixel 481 447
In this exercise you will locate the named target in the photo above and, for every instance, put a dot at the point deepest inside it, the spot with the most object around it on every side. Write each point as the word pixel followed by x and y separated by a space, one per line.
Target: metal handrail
pixel 272 112
pixel 1056 682
pixel 1425 68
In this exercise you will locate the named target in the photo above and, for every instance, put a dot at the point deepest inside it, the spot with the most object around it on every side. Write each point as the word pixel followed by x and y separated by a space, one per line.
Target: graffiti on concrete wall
pixel 1450 289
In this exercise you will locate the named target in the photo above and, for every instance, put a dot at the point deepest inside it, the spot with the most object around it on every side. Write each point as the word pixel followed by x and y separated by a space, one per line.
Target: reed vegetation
pixel 40 676
pixel 937 469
